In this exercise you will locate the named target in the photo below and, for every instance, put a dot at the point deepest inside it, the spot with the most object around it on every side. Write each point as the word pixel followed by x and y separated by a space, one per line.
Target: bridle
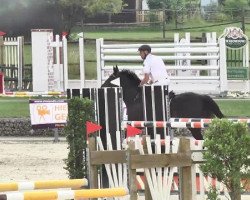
pixel 137 96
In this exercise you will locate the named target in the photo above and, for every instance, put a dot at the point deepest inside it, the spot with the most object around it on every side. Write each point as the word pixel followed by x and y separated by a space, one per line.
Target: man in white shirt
pixel 154 68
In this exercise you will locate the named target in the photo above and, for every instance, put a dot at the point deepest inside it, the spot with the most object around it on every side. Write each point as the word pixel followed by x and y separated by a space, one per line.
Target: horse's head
pixel 129 82
pixel 127 79
pixel 113 76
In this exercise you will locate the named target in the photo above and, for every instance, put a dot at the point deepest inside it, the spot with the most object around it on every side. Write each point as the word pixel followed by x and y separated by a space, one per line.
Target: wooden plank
pixel 107 157
pixel 161 160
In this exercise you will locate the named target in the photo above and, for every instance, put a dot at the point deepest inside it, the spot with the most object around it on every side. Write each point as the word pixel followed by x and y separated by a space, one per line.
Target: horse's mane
pixel 131 75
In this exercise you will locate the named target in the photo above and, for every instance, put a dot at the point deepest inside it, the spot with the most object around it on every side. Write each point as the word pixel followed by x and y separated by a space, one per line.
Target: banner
pixel 48 113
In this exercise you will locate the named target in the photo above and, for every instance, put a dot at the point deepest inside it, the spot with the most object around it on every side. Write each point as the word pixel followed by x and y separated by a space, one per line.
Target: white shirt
pixel 155 67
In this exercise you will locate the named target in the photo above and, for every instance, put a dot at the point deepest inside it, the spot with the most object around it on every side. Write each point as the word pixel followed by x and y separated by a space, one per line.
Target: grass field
pixel 19 107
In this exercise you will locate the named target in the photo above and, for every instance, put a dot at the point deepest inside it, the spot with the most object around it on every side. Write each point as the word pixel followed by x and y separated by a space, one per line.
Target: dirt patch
pixel 32 160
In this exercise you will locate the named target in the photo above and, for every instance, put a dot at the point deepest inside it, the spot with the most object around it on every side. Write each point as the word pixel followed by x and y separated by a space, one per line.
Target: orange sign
pixel 48 113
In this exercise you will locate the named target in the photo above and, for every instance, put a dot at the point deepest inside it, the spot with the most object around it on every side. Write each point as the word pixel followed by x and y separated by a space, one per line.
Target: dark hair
pixel 145 48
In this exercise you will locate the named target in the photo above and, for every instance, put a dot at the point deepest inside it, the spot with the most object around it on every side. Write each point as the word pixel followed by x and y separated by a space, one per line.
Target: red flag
pixel 2 33
pixel 65 33
pixel 132 131
pixel 92 127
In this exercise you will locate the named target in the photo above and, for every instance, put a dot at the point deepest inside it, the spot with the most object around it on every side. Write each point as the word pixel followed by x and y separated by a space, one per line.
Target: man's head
pixel 144 51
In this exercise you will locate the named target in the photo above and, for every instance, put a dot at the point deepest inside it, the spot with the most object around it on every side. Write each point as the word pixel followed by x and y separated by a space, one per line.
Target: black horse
pixel 185 105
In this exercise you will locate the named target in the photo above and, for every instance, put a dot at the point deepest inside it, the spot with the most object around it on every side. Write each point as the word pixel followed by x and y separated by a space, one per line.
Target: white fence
pixel 12 60
pixel 212 53
pixel 50 58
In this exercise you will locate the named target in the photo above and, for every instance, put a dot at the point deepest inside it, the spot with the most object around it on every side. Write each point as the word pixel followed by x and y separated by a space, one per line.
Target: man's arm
pixel 145 79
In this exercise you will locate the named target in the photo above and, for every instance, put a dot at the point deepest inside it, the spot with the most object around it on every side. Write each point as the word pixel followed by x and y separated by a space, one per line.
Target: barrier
pixel 117 161
pixel 12 64
pixel 32 94
pixel 160 179
pixel 178 123
pixel 126 57
pixel 66 194
pixel 46 184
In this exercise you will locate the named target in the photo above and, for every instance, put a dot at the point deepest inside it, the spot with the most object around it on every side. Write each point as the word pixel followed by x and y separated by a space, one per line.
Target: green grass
pixel 235 107
pixel 14 108
pixel 19 107
pixel 156 33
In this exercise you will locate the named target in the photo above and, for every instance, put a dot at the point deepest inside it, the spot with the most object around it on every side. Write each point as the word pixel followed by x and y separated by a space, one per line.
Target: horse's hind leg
pixel 196 133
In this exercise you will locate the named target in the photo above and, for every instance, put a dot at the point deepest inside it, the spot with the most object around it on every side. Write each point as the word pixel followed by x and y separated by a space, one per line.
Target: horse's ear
pixel 171 94
pixel 115 69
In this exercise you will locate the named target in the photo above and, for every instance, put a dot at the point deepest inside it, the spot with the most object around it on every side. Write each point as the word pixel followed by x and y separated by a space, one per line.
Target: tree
pixel 234 8
pixel 73 10
pixel 19 16
pixel 227 153
pixel 171 7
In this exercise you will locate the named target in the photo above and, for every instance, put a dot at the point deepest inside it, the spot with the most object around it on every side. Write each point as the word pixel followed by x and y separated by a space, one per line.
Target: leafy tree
pixel 170 6
pixel 73 10
pixel 19 16
pixel 234 8
pixel 157 4
pixel 104 6
pixel 227 154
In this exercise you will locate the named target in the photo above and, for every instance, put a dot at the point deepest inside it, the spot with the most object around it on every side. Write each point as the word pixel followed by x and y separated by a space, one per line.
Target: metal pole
pixel 56 135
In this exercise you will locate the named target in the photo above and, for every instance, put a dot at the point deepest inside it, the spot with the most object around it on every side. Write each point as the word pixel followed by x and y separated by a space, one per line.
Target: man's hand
pixel 145 79
pixel 150 82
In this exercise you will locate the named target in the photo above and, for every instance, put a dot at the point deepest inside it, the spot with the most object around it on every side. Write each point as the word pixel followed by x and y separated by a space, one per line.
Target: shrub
pixel 227 154
pixel 80 110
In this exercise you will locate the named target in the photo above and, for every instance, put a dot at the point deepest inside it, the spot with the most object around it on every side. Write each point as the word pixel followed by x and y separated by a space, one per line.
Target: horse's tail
pixel 213 107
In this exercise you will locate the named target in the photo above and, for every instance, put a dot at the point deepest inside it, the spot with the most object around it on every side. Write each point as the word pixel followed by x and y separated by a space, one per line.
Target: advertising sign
pixel 237 73
pixel 235 38
pixel 48 113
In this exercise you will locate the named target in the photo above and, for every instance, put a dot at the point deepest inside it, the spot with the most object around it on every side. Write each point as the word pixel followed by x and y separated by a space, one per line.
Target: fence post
pixel 99 62
pixel 82 67
pixel 1 50
pixel 132 172
pixel 93 169
pixel 147 190
pixel 243 20
pixel 187 181
pixel 163 22
pixel 223 66
pixel 20 61
pixel 65 63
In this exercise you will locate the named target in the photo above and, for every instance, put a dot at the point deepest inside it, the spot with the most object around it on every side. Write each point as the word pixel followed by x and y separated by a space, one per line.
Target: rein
pixel 137 96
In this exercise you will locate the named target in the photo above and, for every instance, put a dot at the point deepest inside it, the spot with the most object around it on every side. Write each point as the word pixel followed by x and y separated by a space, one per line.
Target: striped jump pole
pixel 49 184
pixel 65 194
pixel 178 123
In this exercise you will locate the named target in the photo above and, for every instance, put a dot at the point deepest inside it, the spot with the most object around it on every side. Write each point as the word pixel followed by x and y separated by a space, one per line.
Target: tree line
pixel 18 17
